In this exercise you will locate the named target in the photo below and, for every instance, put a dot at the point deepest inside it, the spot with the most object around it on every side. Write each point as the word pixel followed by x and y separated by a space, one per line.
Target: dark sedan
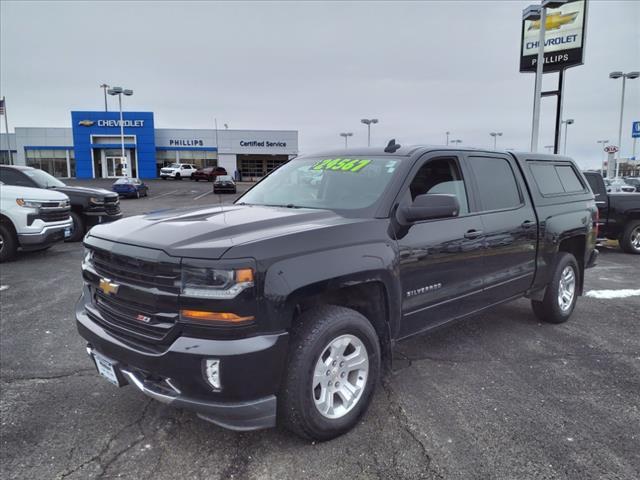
pixel 224 183
pixel 208 173
pixel 130 187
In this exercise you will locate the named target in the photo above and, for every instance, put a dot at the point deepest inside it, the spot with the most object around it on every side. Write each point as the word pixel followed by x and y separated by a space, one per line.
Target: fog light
pixel 212 372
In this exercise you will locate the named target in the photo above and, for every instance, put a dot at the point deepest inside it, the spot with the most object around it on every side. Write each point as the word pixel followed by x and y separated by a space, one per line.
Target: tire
pixel 549 309
pixel 630 238
pixel 311 338
pixel 78 228
pixel 209 179
pixel 137 193
pixel 163 178
pixel 8 243
pixel 177 177
pixel 192 179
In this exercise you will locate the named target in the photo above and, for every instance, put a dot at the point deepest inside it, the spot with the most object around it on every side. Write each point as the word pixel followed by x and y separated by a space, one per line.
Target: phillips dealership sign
pixel 564 38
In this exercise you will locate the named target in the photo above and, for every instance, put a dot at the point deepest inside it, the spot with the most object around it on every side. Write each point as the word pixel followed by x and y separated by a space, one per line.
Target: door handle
pixel 473 234
pixel 527 224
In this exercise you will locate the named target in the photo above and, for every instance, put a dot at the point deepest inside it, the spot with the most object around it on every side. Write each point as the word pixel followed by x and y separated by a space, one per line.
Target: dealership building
pixel 92 147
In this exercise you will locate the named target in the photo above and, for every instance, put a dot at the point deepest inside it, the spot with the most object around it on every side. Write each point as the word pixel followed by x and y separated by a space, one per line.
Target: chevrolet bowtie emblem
pixel 108 287
pixel 86 123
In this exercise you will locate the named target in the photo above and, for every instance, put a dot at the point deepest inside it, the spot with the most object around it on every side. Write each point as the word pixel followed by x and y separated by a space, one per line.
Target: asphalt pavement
pixel 497 396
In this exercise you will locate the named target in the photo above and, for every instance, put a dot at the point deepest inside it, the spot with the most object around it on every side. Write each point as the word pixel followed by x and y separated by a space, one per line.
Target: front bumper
pixel 47 236
pixel 250 373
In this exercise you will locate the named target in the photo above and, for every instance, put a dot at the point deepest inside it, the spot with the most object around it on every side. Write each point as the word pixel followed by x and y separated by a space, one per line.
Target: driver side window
pixel 441 176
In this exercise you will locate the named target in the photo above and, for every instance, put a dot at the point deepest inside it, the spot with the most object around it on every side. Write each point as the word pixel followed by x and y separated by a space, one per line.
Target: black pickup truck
pixel 619 214
pixel 286 303
pixel 89 206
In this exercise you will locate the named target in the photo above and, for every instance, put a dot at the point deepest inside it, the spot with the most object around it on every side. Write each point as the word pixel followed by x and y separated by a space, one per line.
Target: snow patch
pixel 622 293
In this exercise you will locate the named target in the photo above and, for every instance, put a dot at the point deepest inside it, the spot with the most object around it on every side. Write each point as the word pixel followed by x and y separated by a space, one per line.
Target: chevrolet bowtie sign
pixel 86 123
pixel 563 41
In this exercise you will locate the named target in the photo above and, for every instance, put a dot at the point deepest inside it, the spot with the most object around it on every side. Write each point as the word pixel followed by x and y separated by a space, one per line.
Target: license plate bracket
pixel 108 369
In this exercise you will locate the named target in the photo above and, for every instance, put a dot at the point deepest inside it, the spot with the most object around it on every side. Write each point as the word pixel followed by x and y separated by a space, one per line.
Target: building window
pixel 199 158
pixel 51 161
pixel 5 158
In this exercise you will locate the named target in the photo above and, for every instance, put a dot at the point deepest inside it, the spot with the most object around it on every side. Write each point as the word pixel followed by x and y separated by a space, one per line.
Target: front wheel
pixel 562 292
pixel 334 366
pixel 177 177
pixel 8 243
pixel 630 239
pixel 77 229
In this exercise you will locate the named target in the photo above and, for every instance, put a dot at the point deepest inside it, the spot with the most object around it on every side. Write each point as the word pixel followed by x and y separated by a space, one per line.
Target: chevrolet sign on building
pixel 564 38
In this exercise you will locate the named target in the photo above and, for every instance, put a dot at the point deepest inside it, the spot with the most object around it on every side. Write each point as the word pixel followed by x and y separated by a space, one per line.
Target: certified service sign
pixel 564 38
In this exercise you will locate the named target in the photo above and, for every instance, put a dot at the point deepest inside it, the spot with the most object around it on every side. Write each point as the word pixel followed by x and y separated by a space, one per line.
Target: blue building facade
pixel 97 143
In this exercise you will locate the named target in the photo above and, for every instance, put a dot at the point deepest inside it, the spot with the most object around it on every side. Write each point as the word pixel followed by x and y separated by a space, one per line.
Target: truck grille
pixel 136 271
pixel 50 215
pixel 132 319
pixel 112 205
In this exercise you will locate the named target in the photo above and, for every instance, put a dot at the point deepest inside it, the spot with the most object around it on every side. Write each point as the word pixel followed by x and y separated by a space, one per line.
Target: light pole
pixel 119 91
pixel 346 135
pixel 368 122
pixel 630 76
pixel 549 148
pixel 604 157
pixel 457 141
pixel 567 122
pixel 447 137
pixel 104 87
pixel 495 136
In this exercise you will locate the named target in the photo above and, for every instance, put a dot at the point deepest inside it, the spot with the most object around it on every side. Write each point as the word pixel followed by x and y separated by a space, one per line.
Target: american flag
pixel 2 106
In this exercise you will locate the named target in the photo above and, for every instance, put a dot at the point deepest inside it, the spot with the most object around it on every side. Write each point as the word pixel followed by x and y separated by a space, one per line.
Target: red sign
pixel 611 149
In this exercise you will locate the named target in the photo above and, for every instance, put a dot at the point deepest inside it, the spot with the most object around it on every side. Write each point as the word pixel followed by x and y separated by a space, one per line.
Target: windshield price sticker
pixel 341 164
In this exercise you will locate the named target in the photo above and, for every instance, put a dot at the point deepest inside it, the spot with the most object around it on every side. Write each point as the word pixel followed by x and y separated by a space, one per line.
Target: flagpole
pixel 6 128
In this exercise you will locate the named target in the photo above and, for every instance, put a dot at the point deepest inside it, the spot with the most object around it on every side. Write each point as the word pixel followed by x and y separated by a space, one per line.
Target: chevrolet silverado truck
pixel 619 214
pixel 284 306
pixel 31 219
pixel 89 206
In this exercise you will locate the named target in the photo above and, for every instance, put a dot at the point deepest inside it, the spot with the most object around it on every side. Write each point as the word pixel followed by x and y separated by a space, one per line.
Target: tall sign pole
pixel 537 96
pixel 3 111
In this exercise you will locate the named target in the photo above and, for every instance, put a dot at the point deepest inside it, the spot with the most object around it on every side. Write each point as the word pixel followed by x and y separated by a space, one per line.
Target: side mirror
pixel 430 206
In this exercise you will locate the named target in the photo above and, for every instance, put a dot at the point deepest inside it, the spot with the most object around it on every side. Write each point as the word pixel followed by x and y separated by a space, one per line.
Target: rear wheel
pixel 334 366
pixel 77 229
pixel 177 177
pixel 562 292
pixel 8 243
pixel 630 239
pixel 137 193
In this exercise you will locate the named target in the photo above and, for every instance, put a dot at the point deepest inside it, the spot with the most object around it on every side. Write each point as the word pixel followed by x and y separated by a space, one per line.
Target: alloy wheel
pixel 567 288
pixel 635 238
pixel 340 376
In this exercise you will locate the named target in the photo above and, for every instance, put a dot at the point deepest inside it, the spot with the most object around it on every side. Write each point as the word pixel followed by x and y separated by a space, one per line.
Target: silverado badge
pixel 108 287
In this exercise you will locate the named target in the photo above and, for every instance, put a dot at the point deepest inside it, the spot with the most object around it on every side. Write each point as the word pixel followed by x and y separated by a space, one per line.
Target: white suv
pixel 32 219
pixel 177 171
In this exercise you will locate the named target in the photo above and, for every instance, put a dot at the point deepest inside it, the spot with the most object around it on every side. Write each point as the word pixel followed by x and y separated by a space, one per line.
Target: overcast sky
pixel 422 68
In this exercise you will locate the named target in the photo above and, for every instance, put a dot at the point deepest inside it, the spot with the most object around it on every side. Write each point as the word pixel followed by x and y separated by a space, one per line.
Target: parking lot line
pixel 200 196
pixel 165 194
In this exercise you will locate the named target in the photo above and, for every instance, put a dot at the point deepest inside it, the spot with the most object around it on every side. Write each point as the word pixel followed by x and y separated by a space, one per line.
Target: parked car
pixel 618 185
pixel 177 171
pixel 285 303
pixel 634 182
pixel 208 173
pixel 224 183
pixel 31 219
pixel 130 187
pixel 89 206
pixel 619 214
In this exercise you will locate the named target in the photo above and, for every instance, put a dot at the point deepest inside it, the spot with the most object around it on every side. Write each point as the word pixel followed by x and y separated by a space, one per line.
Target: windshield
pixel 122 181
pixel 331 183
pixel 174 165
pixel 224 178
pixel 43 179
pixel 633 181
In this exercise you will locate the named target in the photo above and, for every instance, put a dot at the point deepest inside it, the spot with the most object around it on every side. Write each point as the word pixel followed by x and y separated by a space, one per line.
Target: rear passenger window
pixel 569 179
pixel 497 185
pixel 556 179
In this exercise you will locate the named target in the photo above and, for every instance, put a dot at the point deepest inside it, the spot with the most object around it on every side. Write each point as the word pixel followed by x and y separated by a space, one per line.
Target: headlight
pixel 96 200
pixel 28 203
pixel 215 283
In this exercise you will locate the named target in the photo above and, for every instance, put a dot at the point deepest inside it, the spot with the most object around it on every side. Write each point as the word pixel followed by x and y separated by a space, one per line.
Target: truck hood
pixel 210 232
pixel 84 192
pixel 42 194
